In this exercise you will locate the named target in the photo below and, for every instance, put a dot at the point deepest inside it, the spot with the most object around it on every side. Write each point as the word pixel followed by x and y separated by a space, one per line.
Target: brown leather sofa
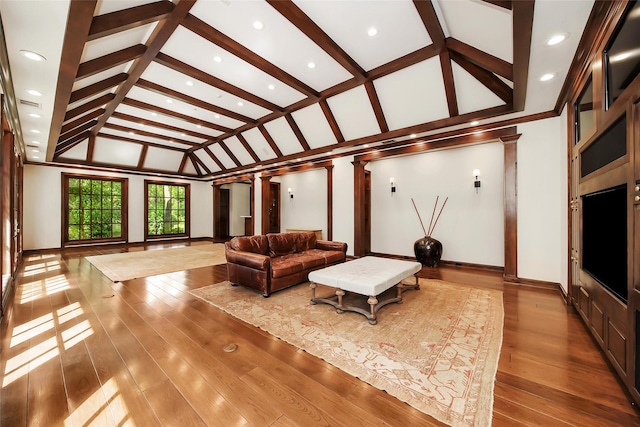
pixel 276 261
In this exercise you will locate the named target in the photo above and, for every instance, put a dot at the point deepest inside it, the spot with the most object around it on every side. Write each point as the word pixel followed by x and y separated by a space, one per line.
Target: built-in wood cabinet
pixel 604 205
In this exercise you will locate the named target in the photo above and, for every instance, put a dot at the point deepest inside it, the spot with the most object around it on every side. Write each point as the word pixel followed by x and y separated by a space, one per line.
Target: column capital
pixel 510 139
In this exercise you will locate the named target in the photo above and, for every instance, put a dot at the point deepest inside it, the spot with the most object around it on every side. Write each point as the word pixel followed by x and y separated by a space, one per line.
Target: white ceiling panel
pixel 236 19
pixel 231 69
pixel 283 135
pixel 354 113
pixel 85 101
pixel 105 7
pixel 153 98
pixel 207 160
pixel 98 77
pixel 178 82
pixel 222 156
pixel 259 144
pixel 113 152
pixel 239 151
pixel 314 126
pixel 138 137
pixel 481 25
pixel 471 94
pixel 164 160
pixel 348 24
pixel 115 42
pixel 189 169
pixel 78 152
pixel 413 95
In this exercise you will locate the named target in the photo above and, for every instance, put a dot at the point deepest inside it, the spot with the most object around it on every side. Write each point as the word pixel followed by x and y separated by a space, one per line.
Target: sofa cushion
pixel 329 257
pixel 257 244
pixel 284 266
pixel 305 241
pixel 282 244
pixel 308 260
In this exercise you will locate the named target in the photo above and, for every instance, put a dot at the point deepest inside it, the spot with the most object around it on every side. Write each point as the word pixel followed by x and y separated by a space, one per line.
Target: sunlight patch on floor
pixel 42 288
pixel 29 360
pixel 104 407
pixel 35 327
pixel 41 267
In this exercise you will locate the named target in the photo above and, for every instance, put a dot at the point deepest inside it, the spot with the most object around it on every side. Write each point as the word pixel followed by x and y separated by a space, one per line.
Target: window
pixel 167 209
pixel 585 117
pixel 94 209
pixel 622 55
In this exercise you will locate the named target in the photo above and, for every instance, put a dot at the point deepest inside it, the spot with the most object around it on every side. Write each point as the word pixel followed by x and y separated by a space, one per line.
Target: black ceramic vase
pixel 428 251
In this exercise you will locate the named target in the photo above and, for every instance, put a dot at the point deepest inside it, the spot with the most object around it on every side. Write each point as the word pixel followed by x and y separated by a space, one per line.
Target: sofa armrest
pixel 328 245
pixel 248 259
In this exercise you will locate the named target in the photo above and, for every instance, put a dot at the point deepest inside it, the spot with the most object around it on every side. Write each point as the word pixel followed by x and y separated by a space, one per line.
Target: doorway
pixel 367 211
pixel 274 207
pixel 223 223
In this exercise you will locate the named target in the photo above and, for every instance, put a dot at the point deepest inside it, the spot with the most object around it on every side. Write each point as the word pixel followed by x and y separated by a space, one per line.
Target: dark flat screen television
pixel 604 239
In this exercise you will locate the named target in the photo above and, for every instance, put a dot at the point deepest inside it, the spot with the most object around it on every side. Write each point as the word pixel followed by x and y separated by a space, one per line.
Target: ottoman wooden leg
pixel 313 287
pixel 373 301
pixel 340 294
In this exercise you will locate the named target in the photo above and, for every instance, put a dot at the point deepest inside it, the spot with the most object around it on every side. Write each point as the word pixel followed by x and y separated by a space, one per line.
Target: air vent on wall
pixel 30 103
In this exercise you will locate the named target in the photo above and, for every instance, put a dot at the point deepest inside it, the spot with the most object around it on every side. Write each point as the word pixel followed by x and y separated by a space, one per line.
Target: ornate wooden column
pixel 216 211
pixel 510 144
pixel 266 188
pixel 359 232
pixel 329 202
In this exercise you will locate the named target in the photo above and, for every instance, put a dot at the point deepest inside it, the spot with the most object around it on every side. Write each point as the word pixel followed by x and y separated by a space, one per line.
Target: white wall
pixel 43 210
pixel 308 207
pixel 239 197
pixel 471 227
pixel 343 202
pixel 542 200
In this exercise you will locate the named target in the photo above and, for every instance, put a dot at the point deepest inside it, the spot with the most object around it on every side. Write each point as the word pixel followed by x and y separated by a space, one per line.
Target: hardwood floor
pixel 80 350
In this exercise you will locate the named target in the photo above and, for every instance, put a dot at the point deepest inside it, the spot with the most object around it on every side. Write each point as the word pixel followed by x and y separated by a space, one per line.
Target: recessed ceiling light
pixel 35 150
pixel 33 92
pixel 240 104
pixel 36 157
pixel 189 83
pixel 217 116
pixel 413 135
pixel 183 134
pixel 271 87
pixel 131 133
pixel 35 131
pixel 372 31
pixel 311 65
pixel 141 125
pixel 199 126
pixel 217 59
pixel 170 101
pixel 275 164
pixel 34 115
pixel 36 142
pixel 258 25
pixel 547 77
pixel 557 38
pixel 330 152
pixel 33 56
pixel 299 159
pixel 474 123
pixel 366 145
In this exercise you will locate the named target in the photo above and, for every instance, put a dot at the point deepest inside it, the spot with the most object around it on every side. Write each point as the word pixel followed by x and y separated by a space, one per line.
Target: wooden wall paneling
pixel 510 206
pixel 329 202
pixel 266 189
pixel 359 231
pixel 216 211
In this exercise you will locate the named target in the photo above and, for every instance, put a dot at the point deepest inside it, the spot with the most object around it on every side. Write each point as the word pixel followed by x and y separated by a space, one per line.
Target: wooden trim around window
pixel 187 209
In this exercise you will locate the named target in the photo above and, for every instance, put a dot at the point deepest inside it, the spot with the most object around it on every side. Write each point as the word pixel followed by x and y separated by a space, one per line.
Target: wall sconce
pixel 290 191
pixel 393 185
pixel 476 183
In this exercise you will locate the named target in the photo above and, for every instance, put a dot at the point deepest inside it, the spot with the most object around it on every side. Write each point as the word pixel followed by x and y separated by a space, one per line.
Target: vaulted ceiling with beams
pixel 208 88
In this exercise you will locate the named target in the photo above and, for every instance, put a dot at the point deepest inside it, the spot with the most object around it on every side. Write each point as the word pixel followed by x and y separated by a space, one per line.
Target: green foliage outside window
pixel 166 209
pixel 94 210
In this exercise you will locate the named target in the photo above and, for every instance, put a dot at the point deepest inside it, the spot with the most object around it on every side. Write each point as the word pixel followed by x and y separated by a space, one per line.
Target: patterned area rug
pixel 437 351
pixel 133 265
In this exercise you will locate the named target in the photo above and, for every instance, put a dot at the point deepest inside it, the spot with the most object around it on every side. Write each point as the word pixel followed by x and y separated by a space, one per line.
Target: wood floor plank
pixel 171 407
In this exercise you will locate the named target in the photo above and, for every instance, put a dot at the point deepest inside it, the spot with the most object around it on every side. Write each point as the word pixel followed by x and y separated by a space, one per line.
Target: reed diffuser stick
pixel 414 206
pixel 434 224
pixel 432 215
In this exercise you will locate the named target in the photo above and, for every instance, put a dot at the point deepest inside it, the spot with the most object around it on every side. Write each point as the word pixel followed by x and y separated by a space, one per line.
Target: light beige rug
pixel 132 265
pixel 437 351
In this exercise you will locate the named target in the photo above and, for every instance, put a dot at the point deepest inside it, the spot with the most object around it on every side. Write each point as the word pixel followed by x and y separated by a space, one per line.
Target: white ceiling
pixel 195 100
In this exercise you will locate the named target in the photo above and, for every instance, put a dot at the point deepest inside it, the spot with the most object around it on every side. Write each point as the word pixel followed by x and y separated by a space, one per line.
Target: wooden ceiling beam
pixel 193 72
pixel 80 120
pixel 163 30
pixel 198 161
pixel 328 114
pixel 405 61
pixel 300 20
pixel 160 125
pixel 189 119
pixel 110 60
pixel 247 147
pixel 73 132
pixel 121 20
pixel 79 21
pixel 93 104
pixel 523 22
pixel 165 91
pixel 143 157
pixel 215 158
pixel 482 59
pixel 270 140
pixel 216 37
pixel 431 22
pixel 377 107
pixel 137 141
pixel 232 156
pixel 150 134
pixel 297 132
pixel 70 143
pixel 487 78
pixel 98 87
pixel 506 4
pixel 449 83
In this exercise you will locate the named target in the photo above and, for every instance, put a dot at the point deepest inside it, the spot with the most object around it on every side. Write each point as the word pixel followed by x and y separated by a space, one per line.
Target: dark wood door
pixel 224 213
pixel 274 207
